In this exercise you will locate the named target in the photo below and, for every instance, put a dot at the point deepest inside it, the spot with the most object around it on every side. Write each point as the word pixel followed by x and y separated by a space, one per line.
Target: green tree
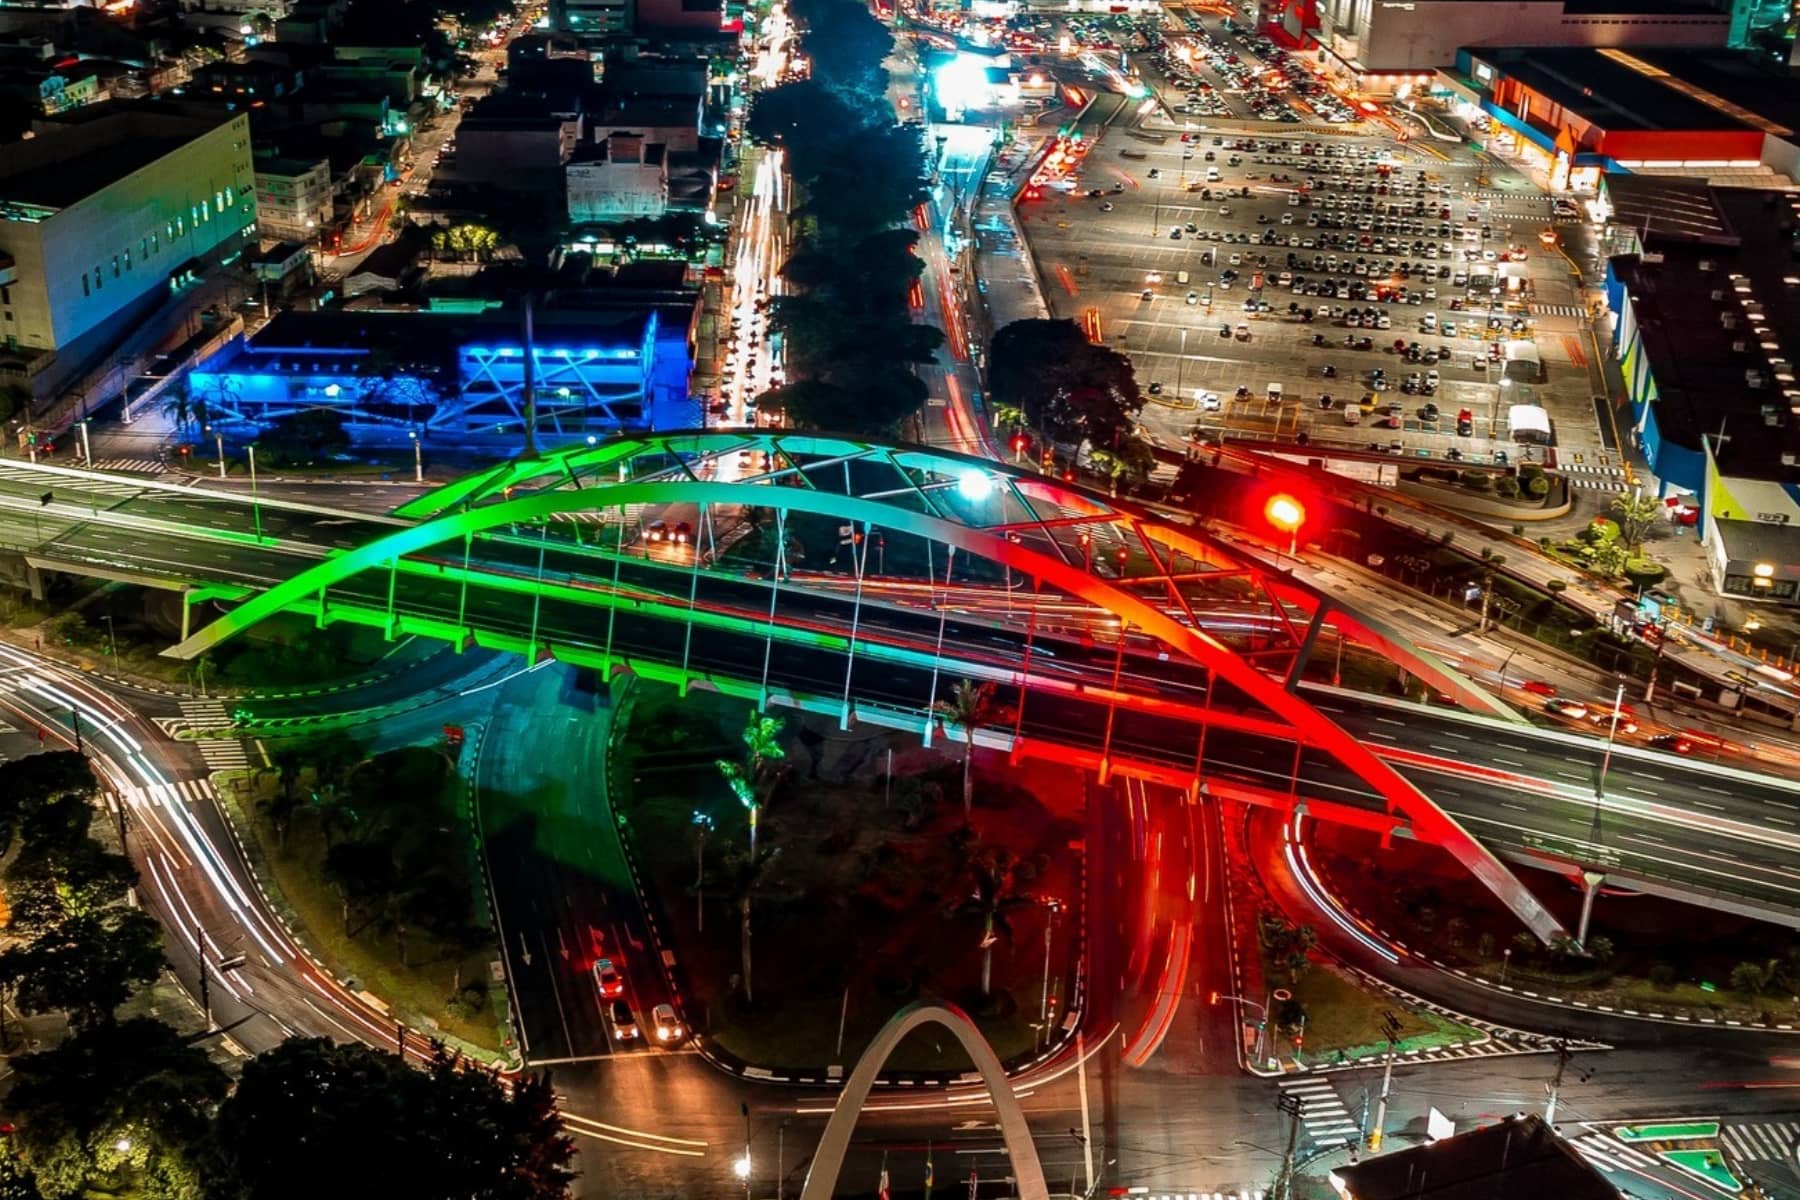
pixel 743 875
pixel 86 966
pixel 120 1107
pixel 1749 978
pixel 1637 514
pixel 754 780
pixel 970 706
pixel 1600 948
pixel 994 893
pixel 1070 390
pixel 1286 946
pixel 308 1109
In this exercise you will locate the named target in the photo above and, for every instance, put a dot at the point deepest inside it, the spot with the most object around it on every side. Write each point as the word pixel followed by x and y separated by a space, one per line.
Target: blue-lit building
pixel 459 379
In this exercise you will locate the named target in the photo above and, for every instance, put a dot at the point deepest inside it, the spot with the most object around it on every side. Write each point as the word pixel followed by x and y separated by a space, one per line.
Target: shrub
pixel 1537 486
pixel 1479 481
pixel 1662 975
pixel 1644 572
pixel 1507 486
pixel 1557 586
pixel 1600 531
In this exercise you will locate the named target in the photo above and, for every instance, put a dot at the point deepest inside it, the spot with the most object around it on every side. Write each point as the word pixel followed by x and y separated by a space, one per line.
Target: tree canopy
pixel 305 1109
pixel 1068 388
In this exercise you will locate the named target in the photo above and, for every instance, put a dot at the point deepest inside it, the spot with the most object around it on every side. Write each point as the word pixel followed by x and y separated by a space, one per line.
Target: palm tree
pixel 970 705
pixel 742 876
pixel 994 873
pixel 754 780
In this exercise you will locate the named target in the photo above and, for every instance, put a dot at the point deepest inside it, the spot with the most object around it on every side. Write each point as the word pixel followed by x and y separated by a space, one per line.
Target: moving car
pixel 608 979
pixel 624 1025
pixel 669 1028
pixel 1573 709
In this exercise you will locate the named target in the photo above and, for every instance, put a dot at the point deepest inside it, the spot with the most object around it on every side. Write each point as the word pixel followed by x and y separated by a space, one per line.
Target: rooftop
pixel 96 147
pixel 1720 324
pixel 1651 90
pixel 1519 1156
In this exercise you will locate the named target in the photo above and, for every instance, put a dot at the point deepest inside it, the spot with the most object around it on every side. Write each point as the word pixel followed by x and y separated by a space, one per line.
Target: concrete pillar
pixel 1590 887
pixel 34 579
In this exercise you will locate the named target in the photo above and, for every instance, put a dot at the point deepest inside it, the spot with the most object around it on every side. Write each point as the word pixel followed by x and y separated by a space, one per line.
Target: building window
pixel 99 279
pixel 115 266
pixel 84 284
pixel 128 258
pixel 5 295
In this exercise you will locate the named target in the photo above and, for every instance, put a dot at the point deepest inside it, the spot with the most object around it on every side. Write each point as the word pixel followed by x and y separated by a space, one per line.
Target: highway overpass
pixel 863 580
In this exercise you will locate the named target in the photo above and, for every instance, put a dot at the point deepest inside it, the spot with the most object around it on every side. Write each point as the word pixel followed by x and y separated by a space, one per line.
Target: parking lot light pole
pixel 1181 364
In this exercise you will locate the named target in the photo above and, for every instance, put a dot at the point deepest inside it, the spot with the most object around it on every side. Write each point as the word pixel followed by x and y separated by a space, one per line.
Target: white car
pixel 669 1029
pixel 1209 401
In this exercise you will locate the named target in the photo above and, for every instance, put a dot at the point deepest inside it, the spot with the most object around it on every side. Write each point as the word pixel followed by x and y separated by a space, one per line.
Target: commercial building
pixel 620 178
pixel 1381 45
pixel 102 215
pixel 1577 114
pixel 293 197
pixel 1707 337
pixel 459 379
pixel 1518 1156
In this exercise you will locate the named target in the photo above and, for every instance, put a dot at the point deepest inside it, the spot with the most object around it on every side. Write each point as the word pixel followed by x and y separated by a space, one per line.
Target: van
pixel 1181 277
pixel 1212 174
pixel 1352 415
pixel 1274 393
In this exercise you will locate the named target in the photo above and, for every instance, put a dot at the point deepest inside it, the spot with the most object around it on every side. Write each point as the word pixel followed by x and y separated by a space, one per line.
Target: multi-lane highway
pixel 1705 828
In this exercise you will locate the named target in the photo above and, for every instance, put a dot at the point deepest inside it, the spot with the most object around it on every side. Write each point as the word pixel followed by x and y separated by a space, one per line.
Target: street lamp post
pixel 1504 664
pixel 112 639
pixel 418 456
pixel 1051 908
pixel 255 503
pixel 1390 1025
pixel 87 449
pixel 1287 514
pixel 1262 1017
pixel 219 441
pixel 1612 732
pixel 742 1165
pixel 1181 365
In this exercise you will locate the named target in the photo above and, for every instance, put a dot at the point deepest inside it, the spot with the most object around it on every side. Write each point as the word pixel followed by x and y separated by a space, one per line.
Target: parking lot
pixel 1201 260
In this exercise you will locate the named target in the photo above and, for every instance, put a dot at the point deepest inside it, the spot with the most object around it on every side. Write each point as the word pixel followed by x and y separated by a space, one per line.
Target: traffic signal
pixel 453 736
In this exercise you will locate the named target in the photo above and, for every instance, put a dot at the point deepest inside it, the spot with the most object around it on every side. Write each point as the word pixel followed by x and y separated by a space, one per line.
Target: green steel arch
pixel 481 503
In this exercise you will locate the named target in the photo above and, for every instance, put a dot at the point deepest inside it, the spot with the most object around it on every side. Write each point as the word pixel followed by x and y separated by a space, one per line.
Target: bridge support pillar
pixel 1590 887
pixel 34 580
pixel 1306 647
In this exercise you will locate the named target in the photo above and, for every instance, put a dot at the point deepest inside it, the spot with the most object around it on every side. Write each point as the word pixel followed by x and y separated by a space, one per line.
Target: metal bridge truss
pixel 863 580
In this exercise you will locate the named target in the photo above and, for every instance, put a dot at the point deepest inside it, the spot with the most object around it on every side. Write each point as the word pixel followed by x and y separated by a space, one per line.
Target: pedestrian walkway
pixel 1150 1194
pixel 1323 1115
pixel 1610 1154
pixel 189 791
pixel 141 466
pixel 1556 310
pixel 1766 1142
pixel 1596 477
pixel 219 753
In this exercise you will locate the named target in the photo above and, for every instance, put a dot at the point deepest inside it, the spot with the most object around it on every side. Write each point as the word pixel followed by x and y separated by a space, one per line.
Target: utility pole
pixel 1562 1064
pixel 1390 1025
pixel 205 992
pixel 75 720
pixel 1293 1106
pixel 1612 732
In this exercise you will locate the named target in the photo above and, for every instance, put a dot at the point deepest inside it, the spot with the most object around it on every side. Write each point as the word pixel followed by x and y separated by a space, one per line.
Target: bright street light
pixel 1287 514
pixel 741 1166
pixel 975 485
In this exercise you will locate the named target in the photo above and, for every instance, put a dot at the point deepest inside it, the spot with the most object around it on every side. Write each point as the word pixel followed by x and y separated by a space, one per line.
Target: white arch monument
pixel 1028 1172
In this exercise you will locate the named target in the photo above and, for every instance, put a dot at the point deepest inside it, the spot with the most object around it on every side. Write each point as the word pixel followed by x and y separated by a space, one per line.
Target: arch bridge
pixel 865 579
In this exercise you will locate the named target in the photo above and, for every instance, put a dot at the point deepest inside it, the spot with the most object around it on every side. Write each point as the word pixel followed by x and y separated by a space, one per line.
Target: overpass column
pixel 34 579
pixel 1590 887
pixel 1306 646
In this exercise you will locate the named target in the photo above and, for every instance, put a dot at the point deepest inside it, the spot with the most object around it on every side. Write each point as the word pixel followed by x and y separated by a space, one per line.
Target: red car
pixel 608 979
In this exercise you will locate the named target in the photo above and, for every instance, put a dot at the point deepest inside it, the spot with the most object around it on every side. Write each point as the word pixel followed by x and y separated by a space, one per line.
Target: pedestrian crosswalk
pixel 1767 1142
pixel 1139 1193
pixel 1610 1154
pixel 1558 310
pixel 142 466
pixel 220 753
pixel 1322 1114
pixel 188 791
pixel 1596 477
